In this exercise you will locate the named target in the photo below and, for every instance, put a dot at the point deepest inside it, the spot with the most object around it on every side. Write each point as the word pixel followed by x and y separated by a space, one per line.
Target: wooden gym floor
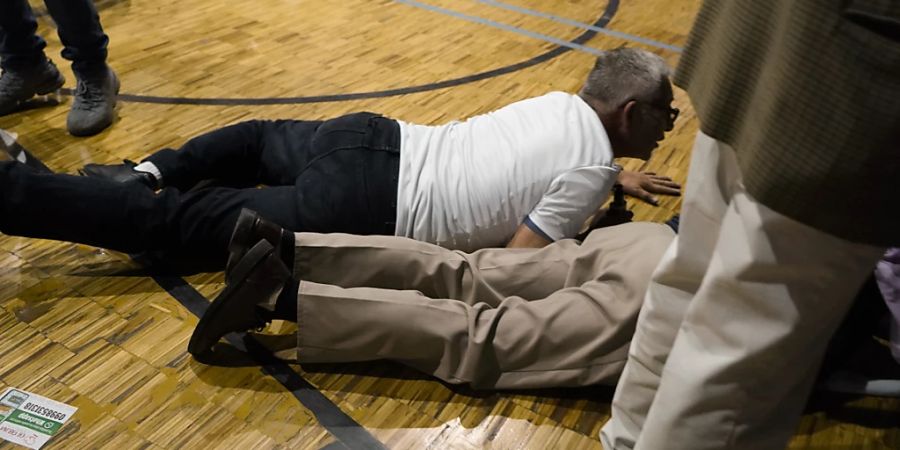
pixel 78 328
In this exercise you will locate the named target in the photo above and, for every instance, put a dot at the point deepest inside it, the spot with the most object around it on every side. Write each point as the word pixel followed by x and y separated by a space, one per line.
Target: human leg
pixel 349 186
pixel 272 153
pixel 574 337
pixel 82 36
pixel 241 155
pixel 84 43
pixel 487 275
pixel 26 70
pixel 130 218
pixel 402 263
pixel 20 46
pixel 579 330
pixel 754 334
pixel 744 353
pixel 64 207
pixel 711 180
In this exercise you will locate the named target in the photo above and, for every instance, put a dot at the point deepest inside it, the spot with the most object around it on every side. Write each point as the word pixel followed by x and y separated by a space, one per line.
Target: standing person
pixel 27 71
pixel 791 199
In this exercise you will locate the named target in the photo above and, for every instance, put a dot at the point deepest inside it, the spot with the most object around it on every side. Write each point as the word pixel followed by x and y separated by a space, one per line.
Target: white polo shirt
pixel 545 161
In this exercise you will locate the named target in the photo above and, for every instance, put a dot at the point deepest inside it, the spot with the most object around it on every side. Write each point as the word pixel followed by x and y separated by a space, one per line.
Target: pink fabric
pixel 887 274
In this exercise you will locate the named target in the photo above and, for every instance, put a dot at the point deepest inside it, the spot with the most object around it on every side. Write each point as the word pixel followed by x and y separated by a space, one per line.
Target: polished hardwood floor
pixel 78 325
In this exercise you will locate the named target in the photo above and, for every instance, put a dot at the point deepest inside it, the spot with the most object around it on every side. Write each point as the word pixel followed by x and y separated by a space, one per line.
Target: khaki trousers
pixel 735 322
pixel 497 318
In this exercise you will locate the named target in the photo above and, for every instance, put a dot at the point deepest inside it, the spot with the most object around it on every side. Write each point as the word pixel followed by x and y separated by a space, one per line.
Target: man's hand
pixel 642 185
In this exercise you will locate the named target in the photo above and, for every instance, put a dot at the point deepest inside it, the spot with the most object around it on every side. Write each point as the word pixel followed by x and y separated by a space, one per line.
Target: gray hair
pixel 626 73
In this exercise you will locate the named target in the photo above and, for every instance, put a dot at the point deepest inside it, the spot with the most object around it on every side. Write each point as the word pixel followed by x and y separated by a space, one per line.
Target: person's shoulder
pixel 552 96
pixel 559 96
pixel 552 102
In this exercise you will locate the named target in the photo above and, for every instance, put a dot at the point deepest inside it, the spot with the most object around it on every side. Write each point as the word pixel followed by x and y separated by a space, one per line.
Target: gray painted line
pixel 608 13
pixel 563 20
pixel 502 26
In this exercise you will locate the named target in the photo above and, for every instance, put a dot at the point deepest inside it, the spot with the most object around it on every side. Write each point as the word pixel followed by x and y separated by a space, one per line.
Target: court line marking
pixel 330 416
pixel 502 26
pixel 585 26
pixel 610 11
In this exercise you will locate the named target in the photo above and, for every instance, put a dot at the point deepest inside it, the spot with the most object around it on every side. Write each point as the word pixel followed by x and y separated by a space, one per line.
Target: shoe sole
pixel 43 89
pixel 201 343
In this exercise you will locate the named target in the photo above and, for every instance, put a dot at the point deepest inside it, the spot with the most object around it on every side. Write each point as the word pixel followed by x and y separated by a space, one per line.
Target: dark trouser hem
pixel 78 26
pixel 90 69
pixel 79 29
pixel 20 47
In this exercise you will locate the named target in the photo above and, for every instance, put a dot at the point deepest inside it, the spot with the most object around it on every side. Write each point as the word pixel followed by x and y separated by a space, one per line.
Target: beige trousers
pixel 497 318
pixel 735 322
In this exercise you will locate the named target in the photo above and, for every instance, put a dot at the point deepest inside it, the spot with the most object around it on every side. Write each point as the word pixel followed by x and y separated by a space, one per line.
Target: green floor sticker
pixel 29 419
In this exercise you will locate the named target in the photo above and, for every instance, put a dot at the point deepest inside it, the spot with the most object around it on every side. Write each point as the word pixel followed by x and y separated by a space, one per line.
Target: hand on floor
pixel 642 185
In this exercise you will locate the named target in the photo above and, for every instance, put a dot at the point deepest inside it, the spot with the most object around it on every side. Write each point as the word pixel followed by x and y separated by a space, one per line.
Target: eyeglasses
pixel 671 114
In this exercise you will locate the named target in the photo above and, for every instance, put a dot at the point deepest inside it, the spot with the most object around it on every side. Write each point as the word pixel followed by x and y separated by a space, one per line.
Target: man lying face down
pixel 527 174
pixel 561 315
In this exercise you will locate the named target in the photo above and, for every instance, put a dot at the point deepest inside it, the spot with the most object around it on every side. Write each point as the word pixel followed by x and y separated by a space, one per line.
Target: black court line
pixel 349 432
pixel 346 430
pixel 611 7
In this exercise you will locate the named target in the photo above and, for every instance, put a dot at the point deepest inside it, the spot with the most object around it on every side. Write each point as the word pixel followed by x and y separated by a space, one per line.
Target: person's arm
pixel 525 237
pixel 642 185
pixel 569 201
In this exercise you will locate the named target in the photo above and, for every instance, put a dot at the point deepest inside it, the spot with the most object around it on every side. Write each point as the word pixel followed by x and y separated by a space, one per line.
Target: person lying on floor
pixel 525 175
pixel 498 318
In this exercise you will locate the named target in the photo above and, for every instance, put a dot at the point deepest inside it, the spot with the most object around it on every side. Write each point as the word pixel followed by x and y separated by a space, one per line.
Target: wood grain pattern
pixel 76 330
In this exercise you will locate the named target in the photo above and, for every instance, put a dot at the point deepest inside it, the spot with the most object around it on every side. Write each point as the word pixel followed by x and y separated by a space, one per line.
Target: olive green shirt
pixel 807 92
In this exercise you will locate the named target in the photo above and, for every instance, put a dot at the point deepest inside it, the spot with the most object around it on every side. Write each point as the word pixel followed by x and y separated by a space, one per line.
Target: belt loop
pixel 369 137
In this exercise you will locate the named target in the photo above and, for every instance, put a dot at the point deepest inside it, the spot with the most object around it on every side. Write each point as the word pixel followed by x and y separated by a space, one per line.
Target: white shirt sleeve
pixel 571 198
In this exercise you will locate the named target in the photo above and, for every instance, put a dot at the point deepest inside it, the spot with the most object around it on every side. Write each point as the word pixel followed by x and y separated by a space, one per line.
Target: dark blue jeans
pixel 79 30
pixel 338 175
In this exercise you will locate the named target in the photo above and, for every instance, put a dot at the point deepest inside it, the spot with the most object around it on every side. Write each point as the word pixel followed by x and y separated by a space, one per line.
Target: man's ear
pixel 628 117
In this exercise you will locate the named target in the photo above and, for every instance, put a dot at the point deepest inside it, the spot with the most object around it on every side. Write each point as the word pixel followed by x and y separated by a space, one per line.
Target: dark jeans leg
pixel 245 154
pixel 129 217
pixel 200 222
pixel 20 46
pixel 347 183
pixel 78 25
pixel 80 209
